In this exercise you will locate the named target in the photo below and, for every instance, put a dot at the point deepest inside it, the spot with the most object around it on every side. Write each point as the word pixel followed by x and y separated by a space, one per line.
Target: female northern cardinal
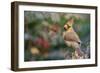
pixel 71 38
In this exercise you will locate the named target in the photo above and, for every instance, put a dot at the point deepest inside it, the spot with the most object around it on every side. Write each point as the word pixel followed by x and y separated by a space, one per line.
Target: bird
pixel 72 39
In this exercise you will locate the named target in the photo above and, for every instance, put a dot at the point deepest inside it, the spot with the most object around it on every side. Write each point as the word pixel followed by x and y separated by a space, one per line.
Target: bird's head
pixel 69 24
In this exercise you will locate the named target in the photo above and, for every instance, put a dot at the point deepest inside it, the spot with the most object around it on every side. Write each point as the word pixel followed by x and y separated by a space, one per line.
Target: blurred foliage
pixel 37 31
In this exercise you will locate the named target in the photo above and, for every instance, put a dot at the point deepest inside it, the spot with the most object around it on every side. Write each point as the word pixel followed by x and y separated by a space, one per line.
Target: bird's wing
pixel 71 36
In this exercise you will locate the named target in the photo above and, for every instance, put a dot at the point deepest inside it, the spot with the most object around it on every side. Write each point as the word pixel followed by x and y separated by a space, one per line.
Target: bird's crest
pixel 70 22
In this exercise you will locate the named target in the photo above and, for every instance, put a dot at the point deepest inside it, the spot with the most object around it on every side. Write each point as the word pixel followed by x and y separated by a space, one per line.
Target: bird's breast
pixel 72 44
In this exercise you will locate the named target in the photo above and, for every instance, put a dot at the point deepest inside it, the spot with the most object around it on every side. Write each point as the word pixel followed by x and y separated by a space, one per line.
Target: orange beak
pixel 65 27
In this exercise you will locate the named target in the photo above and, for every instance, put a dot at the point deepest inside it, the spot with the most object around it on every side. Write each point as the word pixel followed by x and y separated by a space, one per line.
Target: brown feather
pixel 71 36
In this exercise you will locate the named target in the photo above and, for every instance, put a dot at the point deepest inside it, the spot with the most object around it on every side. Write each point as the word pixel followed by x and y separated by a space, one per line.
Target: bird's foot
pixel 79 52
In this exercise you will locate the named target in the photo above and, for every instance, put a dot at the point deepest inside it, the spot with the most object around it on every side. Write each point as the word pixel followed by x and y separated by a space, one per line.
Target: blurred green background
pixel 43 44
